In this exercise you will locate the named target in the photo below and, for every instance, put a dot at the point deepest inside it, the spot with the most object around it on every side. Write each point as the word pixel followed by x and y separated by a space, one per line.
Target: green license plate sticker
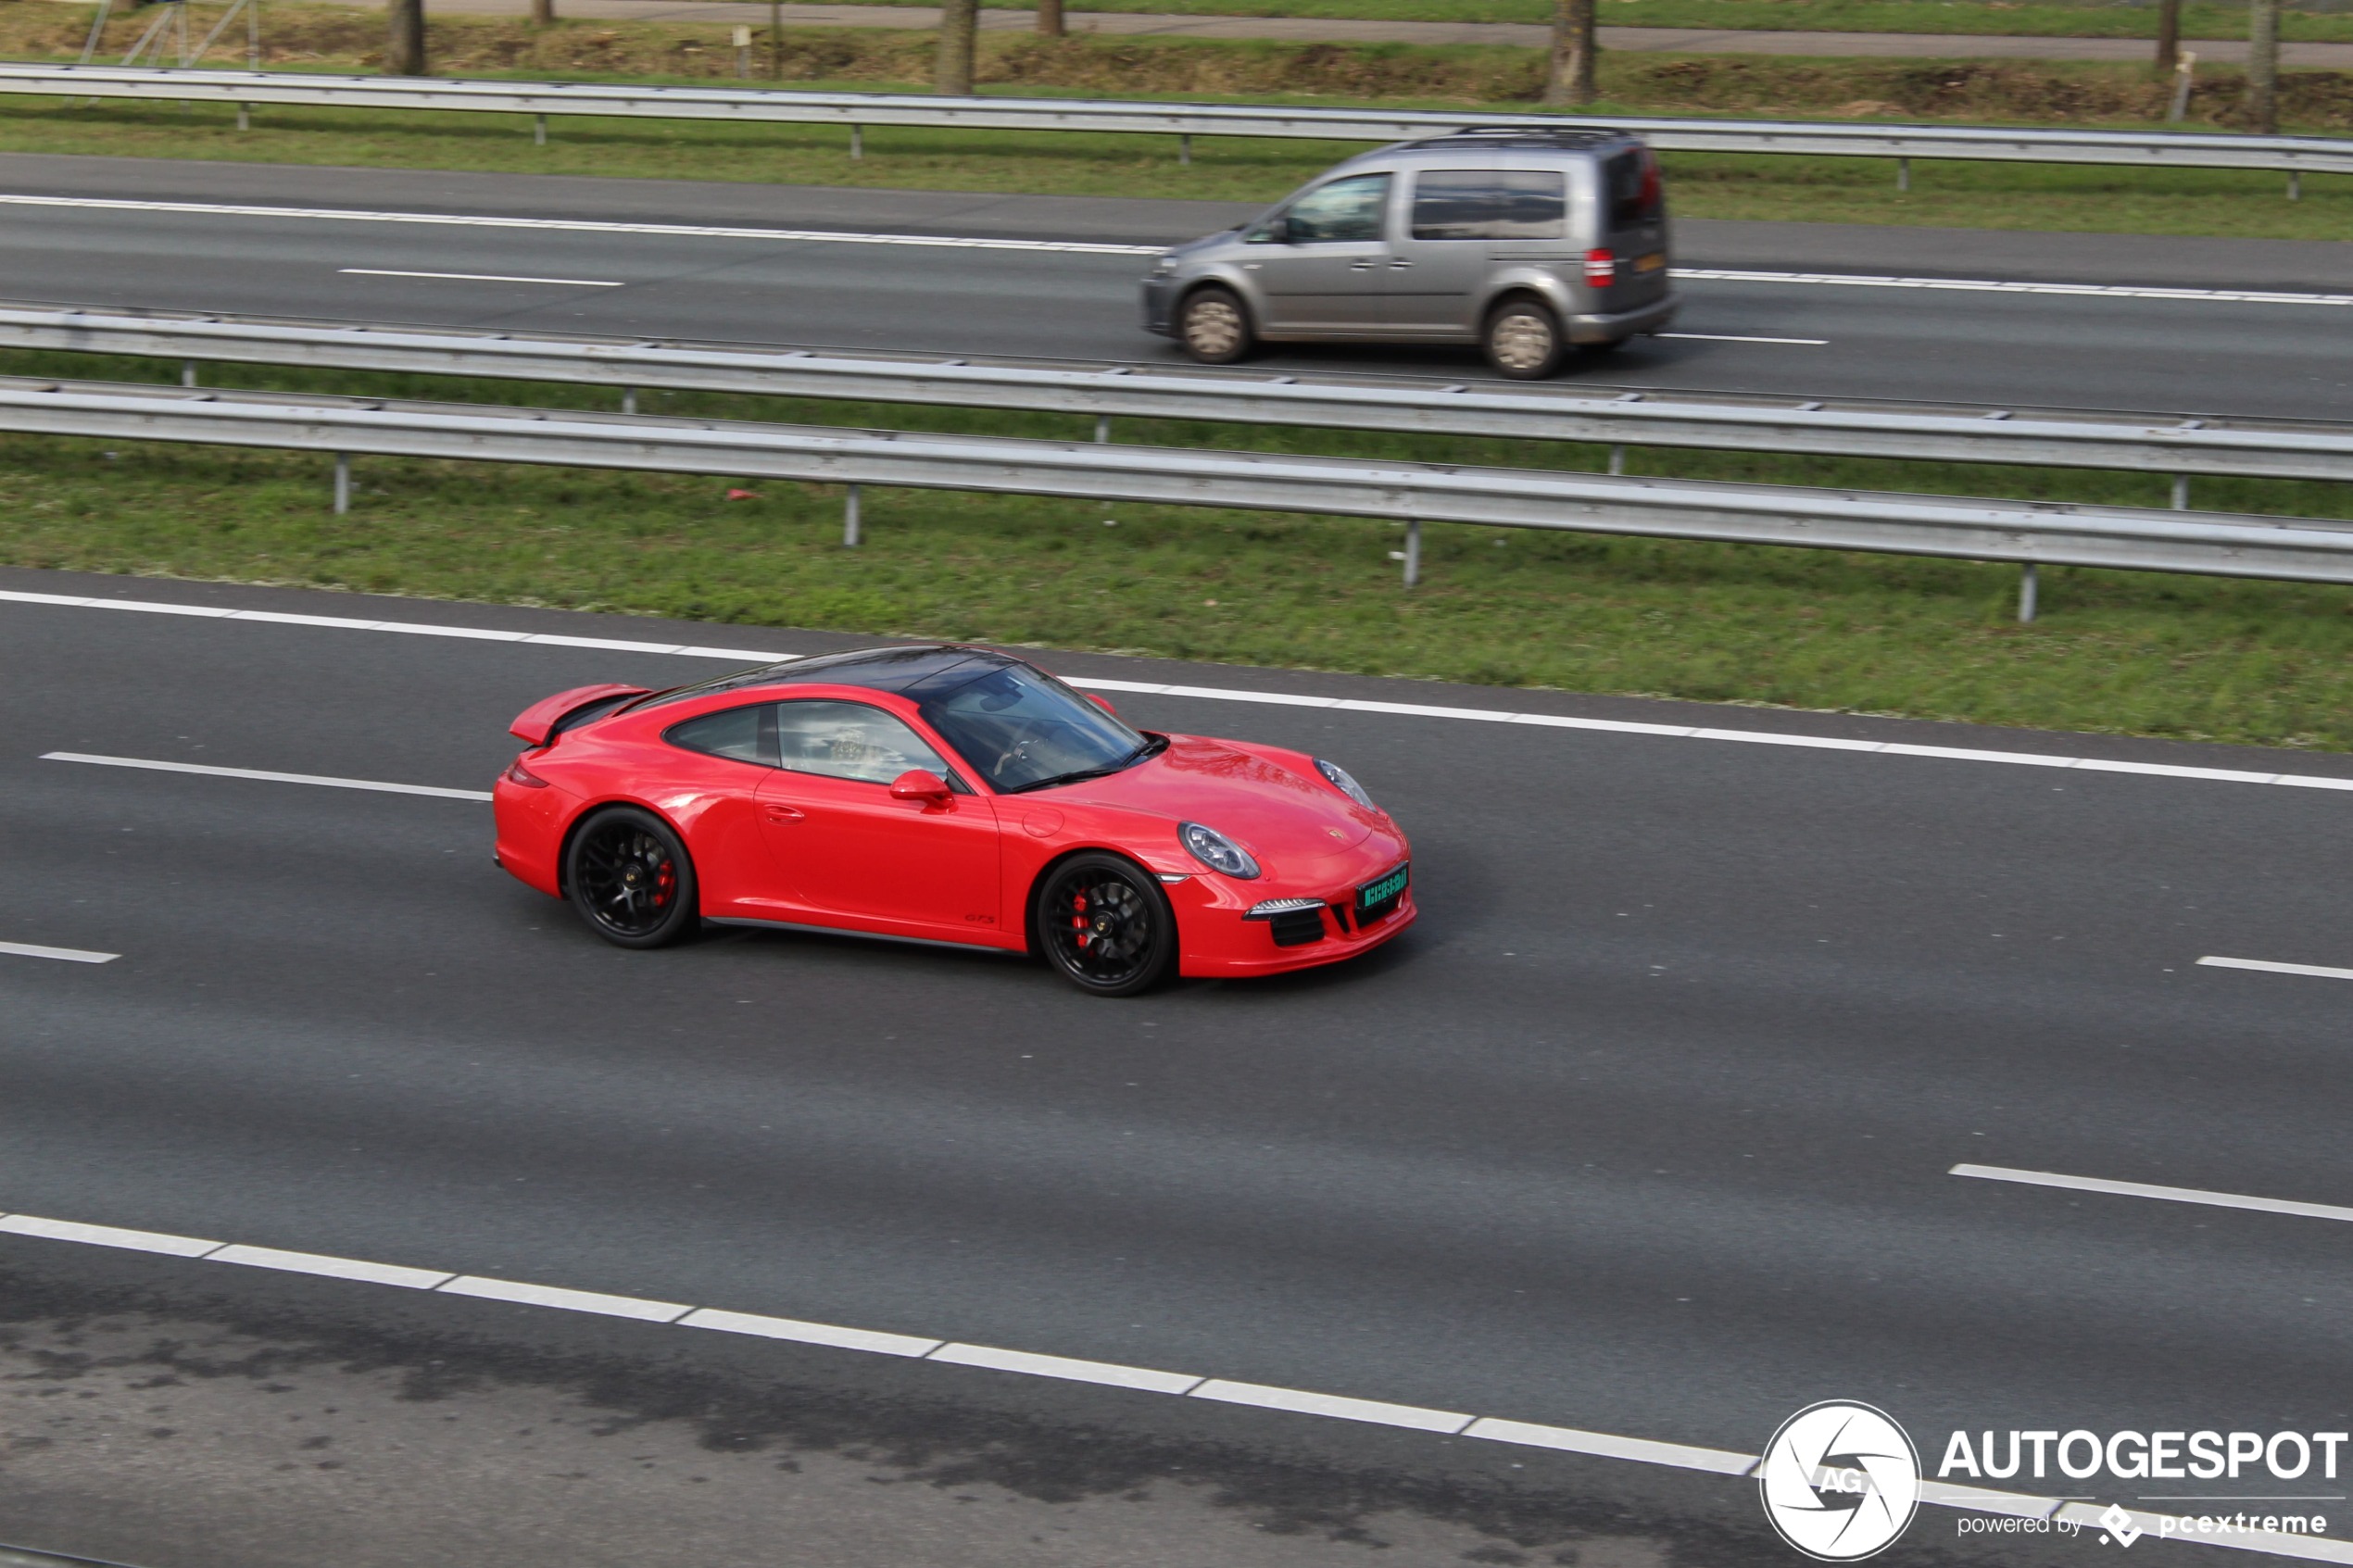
pixel 1386 887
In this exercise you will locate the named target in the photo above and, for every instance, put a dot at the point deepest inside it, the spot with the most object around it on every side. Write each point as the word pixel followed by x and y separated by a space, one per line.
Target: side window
pixel 747 734
pixel 850 740
pixel 1489 204
pixel 1345 209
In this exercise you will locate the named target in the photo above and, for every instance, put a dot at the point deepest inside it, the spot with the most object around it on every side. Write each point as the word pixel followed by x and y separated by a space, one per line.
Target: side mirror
pixel 1102 704
pixel 919 784
pixel 1279 231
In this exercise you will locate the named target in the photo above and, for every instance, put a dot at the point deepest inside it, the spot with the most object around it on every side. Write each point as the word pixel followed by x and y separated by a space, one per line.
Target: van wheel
pixel 1524 340
pixel 1213 326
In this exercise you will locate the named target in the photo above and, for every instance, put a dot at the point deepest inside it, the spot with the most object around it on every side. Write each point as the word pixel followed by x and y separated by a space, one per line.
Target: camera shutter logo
pixel 1839 1480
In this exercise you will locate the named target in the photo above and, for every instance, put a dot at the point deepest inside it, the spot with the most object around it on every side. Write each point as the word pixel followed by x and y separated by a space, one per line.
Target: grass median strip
pixel 2188 658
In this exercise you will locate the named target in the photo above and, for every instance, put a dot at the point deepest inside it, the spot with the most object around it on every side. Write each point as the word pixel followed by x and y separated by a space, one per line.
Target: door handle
pixel 1363 266
pixel 776 813
pixel 1399 266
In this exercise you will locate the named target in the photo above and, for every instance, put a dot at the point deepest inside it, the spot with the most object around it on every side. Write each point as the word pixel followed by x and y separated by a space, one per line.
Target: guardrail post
pixel 1102 428
pixel 187 372
pixel 629 400
pixel 857 141
pixel 2296 185
pixel 1902 175
pixel 850 520
pixel 1185 146
pixel 1413 552
pixel 539 131
pixel 2026 585
pixel 343 482
pixel 2181 492
pixel 244 117
pixel 1617 459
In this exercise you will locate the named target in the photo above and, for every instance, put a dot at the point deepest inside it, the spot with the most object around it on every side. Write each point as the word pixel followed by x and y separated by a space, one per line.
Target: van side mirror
pixel 919 784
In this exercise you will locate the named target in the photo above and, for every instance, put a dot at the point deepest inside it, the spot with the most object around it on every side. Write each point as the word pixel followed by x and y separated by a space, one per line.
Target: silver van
pixel 1526 242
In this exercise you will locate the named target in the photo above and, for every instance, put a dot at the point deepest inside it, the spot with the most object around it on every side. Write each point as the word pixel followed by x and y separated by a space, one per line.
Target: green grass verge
pixel 2182 657
pixel 1975 195
pixel 2089 18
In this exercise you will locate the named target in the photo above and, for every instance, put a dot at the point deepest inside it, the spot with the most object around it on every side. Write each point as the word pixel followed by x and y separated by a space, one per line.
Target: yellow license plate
pixel 1652 262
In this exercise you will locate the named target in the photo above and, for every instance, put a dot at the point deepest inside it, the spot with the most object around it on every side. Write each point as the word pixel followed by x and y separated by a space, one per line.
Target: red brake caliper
pixel 1078 919
pixel 665 883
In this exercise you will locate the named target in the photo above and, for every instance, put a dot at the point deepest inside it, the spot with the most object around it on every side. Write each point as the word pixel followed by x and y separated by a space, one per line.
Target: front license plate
pixel 1386 887
pixel 1650 263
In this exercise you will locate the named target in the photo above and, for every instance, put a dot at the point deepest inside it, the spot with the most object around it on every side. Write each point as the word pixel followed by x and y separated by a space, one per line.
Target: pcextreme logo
pixel 1839 1480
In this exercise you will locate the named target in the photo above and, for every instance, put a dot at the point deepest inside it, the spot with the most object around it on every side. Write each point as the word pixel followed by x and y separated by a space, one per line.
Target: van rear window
pixel 1632 179
pixel 1489 204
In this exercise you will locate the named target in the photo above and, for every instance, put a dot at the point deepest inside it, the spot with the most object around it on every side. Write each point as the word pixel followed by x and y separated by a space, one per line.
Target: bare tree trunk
pixel 543 12
pixel 2169 34
pixel 2263 66
pixel 405 38
pixel 1570 82
pixel 1050 18
pixel 958 20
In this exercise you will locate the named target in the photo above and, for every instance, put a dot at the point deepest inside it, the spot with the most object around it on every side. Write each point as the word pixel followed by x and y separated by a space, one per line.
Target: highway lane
pixel 2188 356
pixel 1644 1130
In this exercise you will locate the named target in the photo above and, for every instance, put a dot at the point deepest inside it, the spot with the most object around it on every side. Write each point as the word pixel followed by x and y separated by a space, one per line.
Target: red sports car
pixel 942 794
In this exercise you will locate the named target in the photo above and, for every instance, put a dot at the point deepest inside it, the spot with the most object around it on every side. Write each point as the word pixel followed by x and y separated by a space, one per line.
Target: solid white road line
pixel 1996 285
pixel 475 278
pixel 1210 693
pixel 867 1340
pixel 591 1301
pixel 330 1268
pixel 1107 1372
pixel 63 955
pixel 2165 1194
pixel 577 225
pixel 1337 1407
pixel 1731 337
pixel 1297 1402
pixel 2320 970
pixel 318 779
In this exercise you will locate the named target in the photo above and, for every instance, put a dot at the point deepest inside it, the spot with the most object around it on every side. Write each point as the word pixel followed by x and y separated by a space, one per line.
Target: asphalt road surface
pixel 1645 1130
pixel 171 247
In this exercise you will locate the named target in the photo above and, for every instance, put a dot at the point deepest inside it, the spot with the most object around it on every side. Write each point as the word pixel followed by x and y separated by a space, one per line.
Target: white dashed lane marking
pixel 2318 970
pixel 319 780
pixel 2164 1194
pixel 474 276
pixel 63 955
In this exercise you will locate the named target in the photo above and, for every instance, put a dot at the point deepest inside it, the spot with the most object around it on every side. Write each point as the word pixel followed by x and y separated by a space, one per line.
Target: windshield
pixel 1021 729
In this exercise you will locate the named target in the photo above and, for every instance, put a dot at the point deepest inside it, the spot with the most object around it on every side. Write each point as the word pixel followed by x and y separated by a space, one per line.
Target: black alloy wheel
pixel 1214 325
pixel 1523 339
pixel 1105 925
pixel 631 880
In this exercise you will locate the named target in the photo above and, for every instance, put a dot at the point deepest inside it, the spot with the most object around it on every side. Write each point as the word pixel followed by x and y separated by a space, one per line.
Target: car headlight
pixel 1216 851
pixel 1346 785
pixel 1164 267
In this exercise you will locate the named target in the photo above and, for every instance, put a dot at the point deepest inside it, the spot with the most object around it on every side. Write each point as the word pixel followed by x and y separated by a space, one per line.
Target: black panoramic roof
pixel 1532 136
pixel 882 669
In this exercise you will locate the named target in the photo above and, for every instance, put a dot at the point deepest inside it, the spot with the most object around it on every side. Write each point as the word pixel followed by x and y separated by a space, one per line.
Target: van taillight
pixel 519 774
pixel 1601 268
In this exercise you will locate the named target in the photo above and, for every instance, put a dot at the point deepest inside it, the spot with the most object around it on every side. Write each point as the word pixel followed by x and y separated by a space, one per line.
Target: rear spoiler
pixel 544 719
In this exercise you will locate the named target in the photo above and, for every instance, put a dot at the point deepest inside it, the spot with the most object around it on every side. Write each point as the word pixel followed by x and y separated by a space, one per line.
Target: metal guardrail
pixel 2032 532
pixel 2163 443
pixel 2177 149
